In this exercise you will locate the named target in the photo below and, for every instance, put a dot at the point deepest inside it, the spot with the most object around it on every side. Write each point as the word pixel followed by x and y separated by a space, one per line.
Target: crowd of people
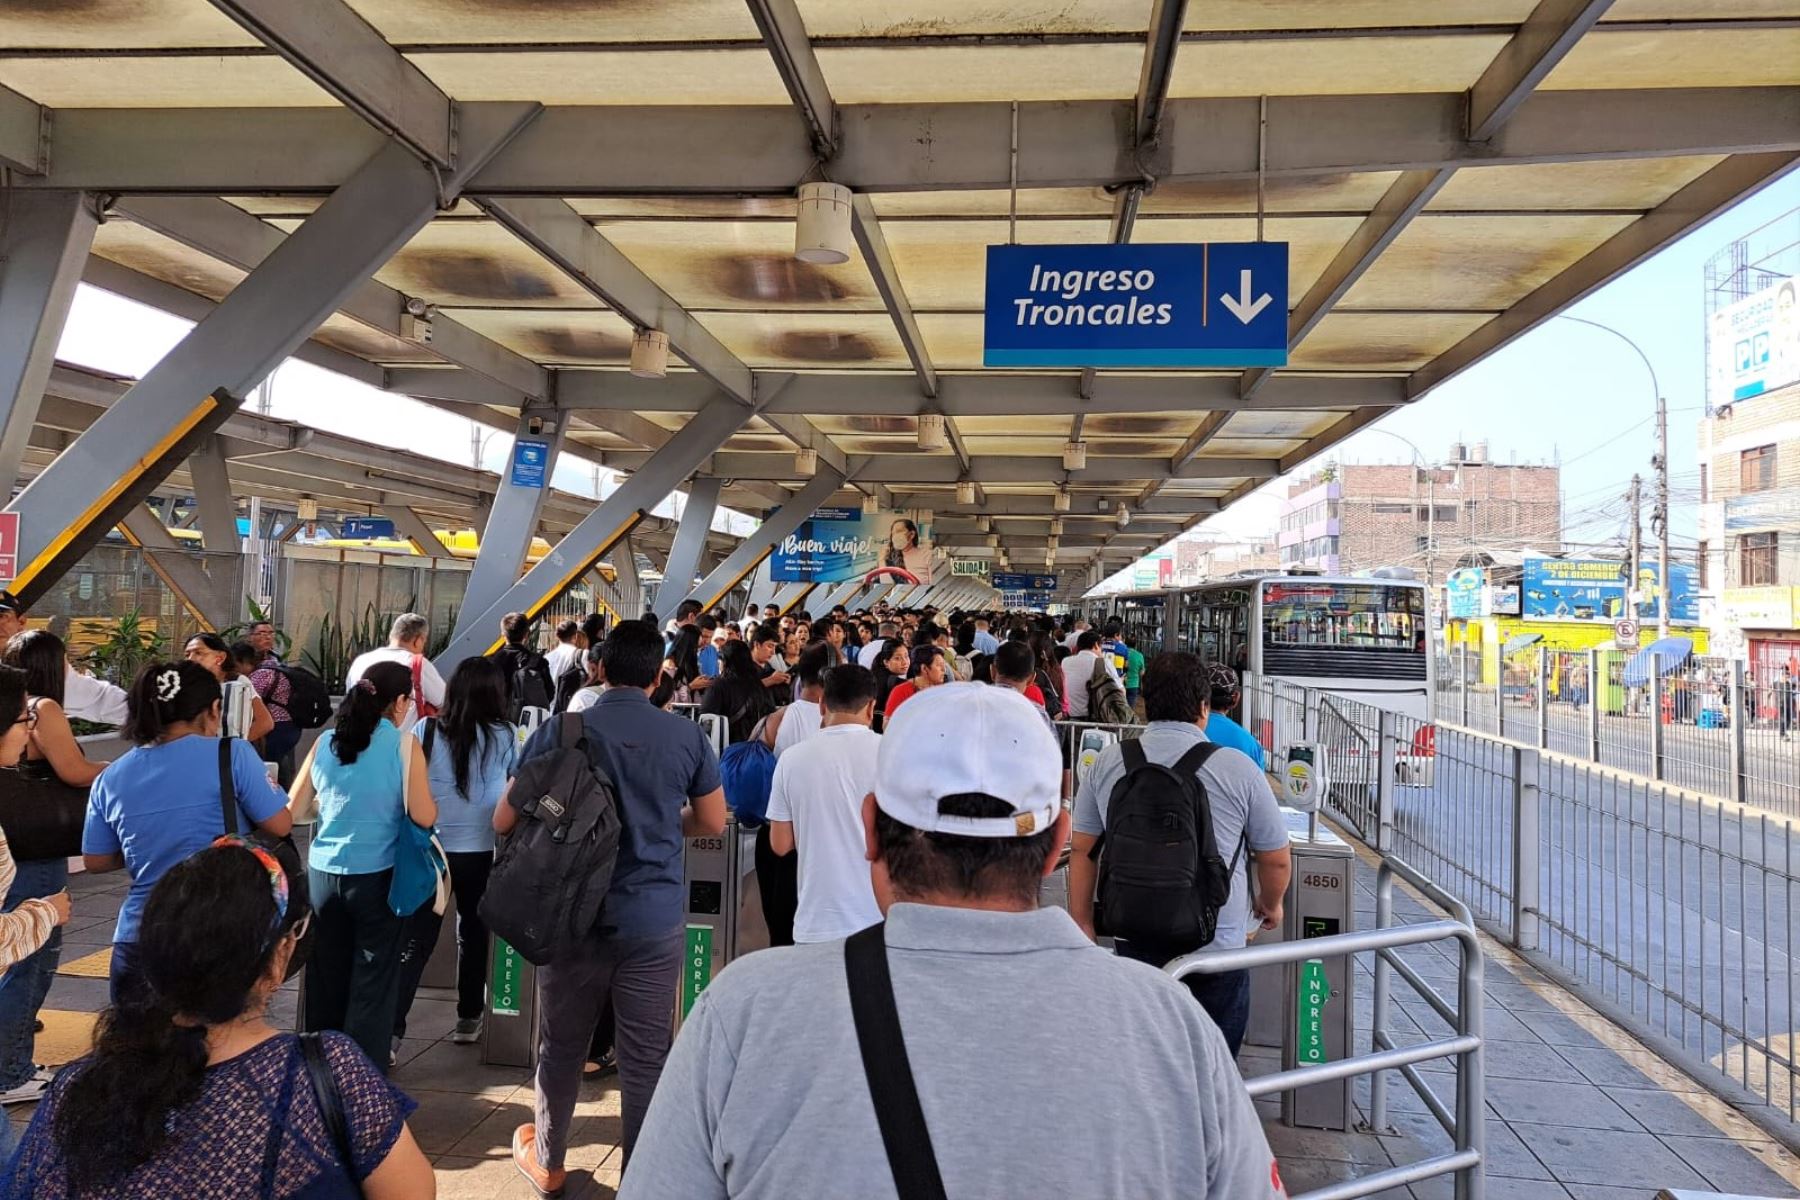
pixel 918 796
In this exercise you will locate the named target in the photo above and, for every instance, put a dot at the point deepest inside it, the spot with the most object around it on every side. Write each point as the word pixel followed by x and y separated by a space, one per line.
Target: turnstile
pixel 1308 1008
pixel 724 917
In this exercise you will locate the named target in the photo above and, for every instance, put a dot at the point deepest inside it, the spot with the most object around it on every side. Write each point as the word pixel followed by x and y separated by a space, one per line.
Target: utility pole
pixel 1659 516
pixel 1637 543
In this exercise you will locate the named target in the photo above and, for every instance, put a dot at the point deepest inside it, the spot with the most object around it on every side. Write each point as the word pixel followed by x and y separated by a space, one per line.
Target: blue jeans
pixel 24 987
pixel 1226 997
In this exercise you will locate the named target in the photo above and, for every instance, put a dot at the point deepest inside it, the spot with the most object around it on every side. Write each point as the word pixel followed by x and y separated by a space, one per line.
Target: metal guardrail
pixel 1671 912
pixel 1466 1124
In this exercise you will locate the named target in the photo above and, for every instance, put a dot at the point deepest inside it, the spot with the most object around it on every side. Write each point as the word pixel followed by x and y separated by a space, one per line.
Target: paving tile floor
pixel 1576 1108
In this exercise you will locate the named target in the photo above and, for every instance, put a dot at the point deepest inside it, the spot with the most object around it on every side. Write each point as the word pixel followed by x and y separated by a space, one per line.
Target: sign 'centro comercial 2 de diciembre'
pixel 1214 304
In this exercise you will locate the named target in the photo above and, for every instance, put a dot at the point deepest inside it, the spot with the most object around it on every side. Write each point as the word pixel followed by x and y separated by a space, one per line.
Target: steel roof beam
pixel 1162 507
pixel 784 33
pixel 24 133
pixel 960 395
pixel 568 242
pixel 227 233
pixel 1724 185
pixel 942 468
pixel 417 530
pixel 329 43
pixel 745 150
pixel 869 239
pixel 1158 69
pixel 1547 35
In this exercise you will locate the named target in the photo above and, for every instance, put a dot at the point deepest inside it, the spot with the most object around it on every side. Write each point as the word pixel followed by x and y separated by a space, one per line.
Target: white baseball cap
pixel 961 738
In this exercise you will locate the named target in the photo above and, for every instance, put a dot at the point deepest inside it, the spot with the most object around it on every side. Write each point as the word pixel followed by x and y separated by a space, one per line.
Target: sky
pixel 1564 392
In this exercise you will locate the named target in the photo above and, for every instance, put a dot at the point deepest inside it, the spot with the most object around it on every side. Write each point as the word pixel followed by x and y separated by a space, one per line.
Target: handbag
pixel 422 707
pixel 421 868
pixel 42 815
pixel 285 851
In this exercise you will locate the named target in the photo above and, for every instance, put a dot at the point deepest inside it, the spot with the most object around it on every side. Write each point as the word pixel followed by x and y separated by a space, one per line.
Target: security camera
pixel 534 425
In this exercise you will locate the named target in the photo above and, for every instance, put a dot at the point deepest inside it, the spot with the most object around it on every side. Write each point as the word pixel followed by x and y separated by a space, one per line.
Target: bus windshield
pixel 1342 629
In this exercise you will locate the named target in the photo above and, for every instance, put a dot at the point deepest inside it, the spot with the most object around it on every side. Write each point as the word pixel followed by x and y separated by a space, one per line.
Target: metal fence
pixel 1670 911
pixel 1702 723
pixel 84 605
pixel 1464 1123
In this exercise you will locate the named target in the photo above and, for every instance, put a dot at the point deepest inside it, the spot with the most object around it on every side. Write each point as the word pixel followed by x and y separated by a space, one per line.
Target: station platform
pixel 1578 1109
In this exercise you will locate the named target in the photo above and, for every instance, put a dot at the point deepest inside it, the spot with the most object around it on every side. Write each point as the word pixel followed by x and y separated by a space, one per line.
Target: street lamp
pixel 1659 516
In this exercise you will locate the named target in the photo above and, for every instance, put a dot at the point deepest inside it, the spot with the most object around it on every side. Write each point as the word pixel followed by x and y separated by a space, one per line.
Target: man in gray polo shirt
pixel 1246 821
pixel 765 1093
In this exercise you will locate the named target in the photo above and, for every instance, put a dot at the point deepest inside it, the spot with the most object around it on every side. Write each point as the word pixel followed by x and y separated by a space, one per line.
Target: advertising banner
pixel 1594 589
pixel 1760 607
pixel 1753 346
pixel 1219 304
pixel 836 545
pixel 1778 508
pixel 1501 601
pixel 1462 593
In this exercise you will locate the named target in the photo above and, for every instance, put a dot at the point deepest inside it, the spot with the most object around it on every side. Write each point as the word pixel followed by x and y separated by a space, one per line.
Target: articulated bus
pixel 1364 639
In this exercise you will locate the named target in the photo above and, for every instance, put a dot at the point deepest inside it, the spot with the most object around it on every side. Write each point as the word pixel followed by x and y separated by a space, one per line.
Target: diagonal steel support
pixel 690 539
pixel 518 507
pixel 753 549
pixel 133 445
pixel 211 477
pixel 182 571
pixel 334 47
pixel 601 530
pixel 44 240
pixel 785 35
pixel 417 530
pixel 1545 38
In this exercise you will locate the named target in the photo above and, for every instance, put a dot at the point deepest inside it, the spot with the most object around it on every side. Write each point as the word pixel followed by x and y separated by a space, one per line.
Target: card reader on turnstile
pixel 1307 1008
pixel 724 917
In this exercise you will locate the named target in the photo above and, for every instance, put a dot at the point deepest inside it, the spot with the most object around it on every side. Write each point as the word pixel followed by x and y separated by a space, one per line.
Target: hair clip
pixel 365 686
pixel 168 684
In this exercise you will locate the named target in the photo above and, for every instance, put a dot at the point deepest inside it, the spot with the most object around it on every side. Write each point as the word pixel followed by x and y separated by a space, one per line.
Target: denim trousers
pixel 468 881
pixel 1225 997
pixel 24 987
pixel 353 977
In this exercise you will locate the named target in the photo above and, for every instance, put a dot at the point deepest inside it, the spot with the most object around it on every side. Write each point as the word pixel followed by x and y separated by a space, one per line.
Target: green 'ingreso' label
pixel 505 980
pixel 696 965
pixel 1310 1012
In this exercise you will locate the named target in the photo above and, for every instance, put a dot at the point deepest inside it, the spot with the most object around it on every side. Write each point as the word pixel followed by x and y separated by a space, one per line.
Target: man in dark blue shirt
pixel 667 778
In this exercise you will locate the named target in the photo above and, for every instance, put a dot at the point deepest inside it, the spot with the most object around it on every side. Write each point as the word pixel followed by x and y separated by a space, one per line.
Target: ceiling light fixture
pixel 871 504
pixel 822 224
pixel 1123 516
pixel 1060 502
pixel 1074 456
pixel 650 354
pixel 965 492
pixel 806 461
pixel 931 432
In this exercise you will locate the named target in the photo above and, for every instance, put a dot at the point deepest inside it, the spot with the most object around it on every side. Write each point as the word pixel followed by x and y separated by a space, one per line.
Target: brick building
pixel 1354 517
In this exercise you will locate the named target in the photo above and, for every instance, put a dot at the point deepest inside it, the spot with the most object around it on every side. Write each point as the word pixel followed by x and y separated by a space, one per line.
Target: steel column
pixel 133 446
pixel 690 539
pixel 213 497
pixel 44 244
pixel 753 549
pixel 625 579
pixel 513 520
pixel 600 530
pixel 182 572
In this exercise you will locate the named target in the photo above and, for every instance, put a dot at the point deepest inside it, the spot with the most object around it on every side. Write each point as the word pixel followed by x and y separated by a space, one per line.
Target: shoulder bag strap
pixel 1195 758
pixel 430 735
pixel 330 1102
pixel 1133 751
pixel 885 1065
pixel 227 786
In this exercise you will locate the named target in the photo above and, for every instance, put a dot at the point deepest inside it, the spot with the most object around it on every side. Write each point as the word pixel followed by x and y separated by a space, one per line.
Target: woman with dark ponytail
pixel 190 1091
pixel 163 799
pixel 366 778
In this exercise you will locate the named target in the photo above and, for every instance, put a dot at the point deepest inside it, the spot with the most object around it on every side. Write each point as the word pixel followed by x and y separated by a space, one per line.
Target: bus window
pixel 1343 629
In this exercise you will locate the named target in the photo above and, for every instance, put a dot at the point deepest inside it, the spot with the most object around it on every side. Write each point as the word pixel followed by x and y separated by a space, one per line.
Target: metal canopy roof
pixel 1448 173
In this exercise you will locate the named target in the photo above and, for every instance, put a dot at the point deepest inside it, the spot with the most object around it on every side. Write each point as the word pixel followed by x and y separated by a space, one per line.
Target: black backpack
pixel 567 684
pixel 552 872
pixel 1162 882
pixel 309 700
pixel 525 685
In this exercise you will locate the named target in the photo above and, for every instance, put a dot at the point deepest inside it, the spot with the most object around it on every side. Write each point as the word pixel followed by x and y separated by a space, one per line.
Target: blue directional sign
pixel 1004 582
pixel 1214 304
pixel 367 528
pixel 530 462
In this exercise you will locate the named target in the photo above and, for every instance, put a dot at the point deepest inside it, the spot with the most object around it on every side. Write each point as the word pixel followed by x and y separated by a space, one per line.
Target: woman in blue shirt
pixel 366 778
pixel 161 801
pixel 471 749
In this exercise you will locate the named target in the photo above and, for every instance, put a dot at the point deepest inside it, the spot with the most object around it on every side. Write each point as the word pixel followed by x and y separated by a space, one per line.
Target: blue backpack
pixel 748 771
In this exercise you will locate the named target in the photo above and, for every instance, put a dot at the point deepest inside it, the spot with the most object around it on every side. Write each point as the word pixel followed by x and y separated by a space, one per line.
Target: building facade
pixel 1750 448
pixel 1355 517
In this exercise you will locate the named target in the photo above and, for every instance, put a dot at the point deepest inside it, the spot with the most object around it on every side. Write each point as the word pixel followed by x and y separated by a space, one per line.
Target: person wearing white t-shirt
pixel 569 645
pixel 870 654
pixel 406 644
pixel 1079 667
pixel 793 723
pixel 816 808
